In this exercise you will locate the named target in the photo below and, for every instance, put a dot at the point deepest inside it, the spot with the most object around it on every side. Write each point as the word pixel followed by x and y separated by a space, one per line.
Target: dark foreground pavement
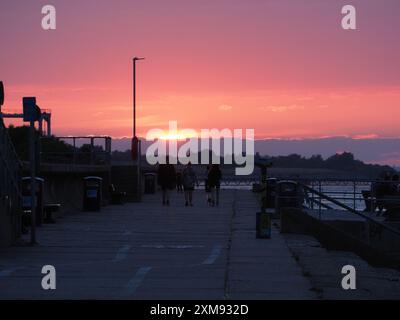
pixel 147 251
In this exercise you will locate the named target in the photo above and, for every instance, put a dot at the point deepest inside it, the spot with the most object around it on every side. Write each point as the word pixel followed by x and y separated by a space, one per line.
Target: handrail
pixel 320 203
pixel 8 148
pixel 10 182
pixel 11 146
pixel 12 178
pixel 339 204
pixel 256 178
pixel 75 154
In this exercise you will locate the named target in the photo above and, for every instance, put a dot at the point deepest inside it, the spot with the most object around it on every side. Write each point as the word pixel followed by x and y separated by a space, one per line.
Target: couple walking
pixel 166 178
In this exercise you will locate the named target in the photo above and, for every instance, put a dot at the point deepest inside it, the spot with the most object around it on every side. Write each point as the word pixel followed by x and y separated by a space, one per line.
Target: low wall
pixel 334 236
pixel 67 189
pixel 125 179
pixel 64 185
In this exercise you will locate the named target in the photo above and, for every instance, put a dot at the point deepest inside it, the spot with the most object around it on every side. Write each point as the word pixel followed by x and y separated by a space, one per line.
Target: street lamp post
pixel 1 94
pixel 135 140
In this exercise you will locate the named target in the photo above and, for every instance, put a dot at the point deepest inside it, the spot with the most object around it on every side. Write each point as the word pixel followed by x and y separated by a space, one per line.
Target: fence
pixel 96 152
pixel 10 183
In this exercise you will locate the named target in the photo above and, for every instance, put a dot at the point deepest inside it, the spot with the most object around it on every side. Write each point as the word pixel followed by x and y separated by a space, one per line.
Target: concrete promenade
pixel 147 251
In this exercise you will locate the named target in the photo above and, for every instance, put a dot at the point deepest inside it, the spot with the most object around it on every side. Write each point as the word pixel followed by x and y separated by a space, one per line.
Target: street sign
pixel 1 93
pixel 31 110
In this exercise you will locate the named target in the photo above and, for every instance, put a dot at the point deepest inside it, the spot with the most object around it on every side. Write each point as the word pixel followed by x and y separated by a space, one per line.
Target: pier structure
pixel 44 120
pixel 149 251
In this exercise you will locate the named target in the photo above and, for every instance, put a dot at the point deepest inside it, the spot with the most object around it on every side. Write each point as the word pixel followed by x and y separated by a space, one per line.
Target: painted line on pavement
pixel 122 253
pixel 126 233
pixel 9 272
pixel 161 246
pixel 136 281
pixel 215 253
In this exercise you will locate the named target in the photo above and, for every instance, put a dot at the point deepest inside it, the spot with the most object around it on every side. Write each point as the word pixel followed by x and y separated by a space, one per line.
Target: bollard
pixel 263 225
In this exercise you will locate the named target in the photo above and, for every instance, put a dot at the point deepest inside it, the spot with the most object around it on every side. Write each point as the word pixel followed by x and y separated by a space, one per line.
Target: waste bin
pixel 92 193
pixel 39 198
pixel 150 183
pixel 288 195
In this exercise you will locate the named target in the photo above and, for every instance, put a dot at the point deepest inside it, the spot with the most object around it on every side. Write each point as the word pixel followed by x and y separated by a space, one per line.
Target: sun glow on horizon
pixel 167 136
pixel 171 136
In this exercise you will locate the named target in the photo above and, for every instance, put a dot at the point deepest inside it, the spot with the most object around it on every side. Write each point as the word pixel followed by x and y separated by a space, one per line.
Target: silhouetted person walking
pixel 214 182
pixel 189 181
pixel 166 180
pixel 179 186
pixel 207 186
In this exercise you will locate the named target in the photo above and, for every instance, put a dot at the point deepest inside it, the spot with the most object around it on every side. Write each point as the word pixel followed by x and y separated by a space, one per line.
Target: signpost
pixel 31 114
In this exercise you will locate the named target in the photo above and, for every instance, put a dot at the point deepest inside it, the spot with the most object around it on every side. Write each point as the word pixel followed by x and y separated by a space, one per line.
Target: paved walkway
pixel 147 251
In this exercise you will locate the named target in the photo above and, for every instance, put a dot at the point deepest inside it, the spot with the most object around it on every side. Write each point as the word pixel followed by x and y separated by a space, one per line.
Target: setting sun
pixel 171 136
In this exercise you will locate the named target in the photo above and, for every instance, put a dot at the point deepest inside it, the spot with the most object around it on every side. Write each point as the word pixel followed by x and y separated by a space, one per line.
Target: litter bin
pixel 150 183
pixel 288 195
pixel 39 199
pixel 92 193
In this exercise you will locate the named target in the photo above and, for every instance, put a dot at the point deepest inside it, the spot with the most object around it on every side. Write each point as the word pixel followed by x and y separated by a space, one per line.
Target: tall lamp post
pixel 135 140
pixel 1 94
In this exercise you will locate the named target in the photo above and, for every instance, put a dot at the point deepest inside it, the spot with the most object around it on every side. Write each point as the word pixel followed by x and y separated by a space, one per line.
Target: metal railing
pixel 10 180
pixel 321 196
pixel 76 158
pixel 348 191
pixel 375 239
pixel 93 154
pixel 359 194
pixel 10 161
pixel 233 181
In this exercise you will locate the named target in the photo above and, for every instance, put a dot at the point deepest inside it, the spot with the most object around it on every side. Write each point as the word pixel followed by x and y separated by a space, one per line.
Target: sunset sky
pixel 283 67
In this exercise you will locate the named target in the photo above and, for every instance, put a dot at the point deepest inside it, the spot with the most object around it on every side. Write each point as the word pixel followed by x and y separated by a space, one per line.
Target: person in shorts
pixel 166 178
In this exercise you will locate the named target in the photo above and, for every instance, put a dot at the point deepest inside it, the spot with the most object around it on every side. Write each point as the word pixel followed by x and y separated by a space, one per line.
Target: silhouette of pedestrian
pixel 189 181
pixel 166 177
pixel 179 186
pixel 207 186
pixel 214 182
